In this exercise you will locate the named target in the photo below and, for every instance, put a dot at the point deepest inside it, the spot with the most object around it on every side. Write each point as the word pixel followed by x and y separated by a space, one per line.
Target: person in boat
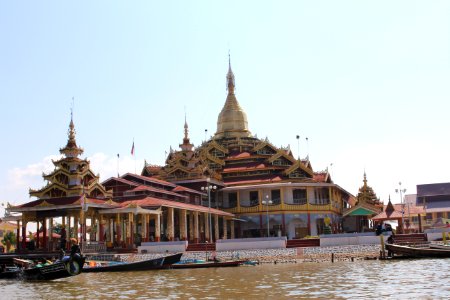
pixel 379 229
pixel 75 249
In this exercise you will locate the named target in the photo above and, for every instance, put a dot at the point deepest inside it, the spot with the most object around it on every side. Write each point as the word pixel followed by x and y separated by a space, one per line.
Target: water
pixel 400 279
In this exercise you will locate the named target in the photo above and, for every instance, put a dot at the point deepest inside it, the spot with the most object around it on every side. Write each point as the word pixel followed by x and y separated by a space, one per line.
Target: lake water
pixel 398 279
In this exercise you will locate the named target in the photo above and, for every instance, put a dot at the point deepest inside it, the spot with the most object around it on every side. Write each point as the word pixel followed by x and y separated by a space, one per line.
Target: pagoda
pixel 254 177
pixel 367 206
pixel 72 176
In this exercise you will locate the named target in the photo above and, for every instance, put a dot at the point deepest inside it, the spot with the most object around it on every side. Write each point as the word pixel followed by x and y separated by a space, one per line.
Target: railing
pixel 278 207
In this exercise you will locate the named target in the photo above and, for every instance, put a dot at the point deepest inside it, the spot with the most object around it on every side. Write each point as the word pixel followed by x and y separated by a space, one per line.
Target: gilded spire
pixel 186 146
pixel 230 77
pixel 71 149
pixel 232 120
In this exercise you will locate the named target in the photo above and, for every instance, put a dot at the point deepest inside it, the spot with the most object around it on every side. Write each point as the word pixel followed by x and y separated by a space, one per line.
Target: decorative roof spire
pixel 230 77
pixel 232 120
pixel 71 149
pixel 186 146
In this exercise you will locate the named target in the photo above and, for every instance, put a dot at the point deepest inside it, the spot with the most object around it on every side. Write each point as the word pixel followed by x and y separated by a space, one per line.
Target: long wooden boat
pixel 423 251
pixel 26 269
pixel 206 264
pixel 145 265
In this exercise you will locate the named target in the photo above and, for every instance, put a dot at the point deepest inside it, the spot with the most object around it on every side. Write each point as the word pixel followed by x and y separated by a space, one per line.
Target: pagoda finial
pixel 365 180
pixel 230 77
pixel 186 131
pixel 186 146
pixel 71 149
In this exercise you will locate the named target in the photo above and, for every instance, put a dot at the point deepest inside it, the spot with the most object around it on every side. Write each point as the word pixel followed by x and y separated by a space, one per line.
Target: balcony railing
pixel 286 207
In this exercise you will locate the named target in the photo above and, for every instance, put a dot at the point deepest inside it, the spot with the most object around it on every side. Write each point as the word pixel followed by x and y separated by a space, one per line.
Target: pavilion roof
pixel 180 188
pixel 256 179
pixel 149 179
pixel 156 202
pixel 51 203
pixel 246 167
pixel 435 189
pixel 397 212
pixel 155 190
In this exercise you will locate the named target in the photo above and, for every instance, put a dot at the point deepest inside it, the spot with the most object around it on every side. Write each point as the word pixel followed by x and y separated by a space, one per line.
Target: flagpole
pixel 118 156
pixel 133 154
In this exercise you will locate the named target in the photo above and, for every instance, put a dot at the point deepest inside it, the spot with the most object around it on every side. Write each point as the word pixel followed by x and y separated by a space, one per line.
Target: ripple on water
pixel 406 279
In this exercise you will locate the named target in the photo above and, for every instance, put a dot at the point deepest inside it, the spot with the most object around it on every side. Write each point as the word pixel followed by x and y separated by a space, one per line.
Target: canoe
pixel 144 265
pixel 208 264
pixel 414 251
pixel 26 269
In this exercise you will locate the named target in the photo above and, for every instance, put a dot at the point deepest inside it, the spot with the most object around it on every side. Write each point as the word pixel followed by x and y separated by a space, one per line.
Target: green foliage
pixel 10 238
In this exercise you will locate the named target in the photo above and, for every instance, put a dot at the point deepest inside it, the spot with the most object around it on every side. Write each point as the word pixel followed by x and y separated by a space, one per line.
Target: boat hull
pixel 151 264
pixel 57 270
pixel 207 265
pixel 409 251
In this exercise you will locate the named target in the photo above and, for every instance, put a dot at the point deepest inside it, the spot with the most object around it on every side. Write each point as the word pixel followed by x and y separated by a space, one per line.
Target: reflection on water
pixel 401 279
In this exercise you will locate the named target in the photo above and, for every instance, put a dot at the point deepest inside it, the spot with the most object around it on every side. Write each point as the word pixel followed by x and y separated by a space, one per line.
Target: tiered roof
pixel 233 155
pixel 72 176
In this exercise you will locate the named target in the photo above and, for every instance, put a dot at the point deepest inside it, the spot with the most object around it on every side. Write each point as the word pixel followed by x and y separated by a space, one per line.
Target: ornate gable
pixel 299 170
pixel 281 159
pixel 265 148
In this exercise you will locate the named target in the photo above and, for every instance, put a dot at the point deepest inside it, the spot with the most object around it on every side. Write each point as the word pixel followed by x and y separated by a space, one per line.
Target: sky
pixel 367 82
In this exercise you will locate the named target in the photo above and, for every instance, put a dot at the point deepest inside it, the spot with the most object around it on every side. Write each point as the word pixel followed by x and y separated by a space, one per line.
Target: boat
pixel 144 265
pixel 417 251
pixel 437 246
pixel 45 270
pixel 206 264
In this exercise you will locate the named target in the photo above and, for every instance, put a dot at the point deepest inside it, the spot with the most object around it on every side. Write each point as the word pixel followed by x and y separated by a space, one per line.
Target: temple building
pixel 358 217
pixel 268 190
pixel 118 213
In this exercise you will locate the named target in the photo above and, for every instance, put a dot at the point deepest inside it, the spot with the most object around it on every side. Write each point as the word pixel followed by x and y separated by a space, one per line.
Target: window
pixel 276 197
pixel 322 196
pixel 254 198
pixel 299 196
pixel 232 199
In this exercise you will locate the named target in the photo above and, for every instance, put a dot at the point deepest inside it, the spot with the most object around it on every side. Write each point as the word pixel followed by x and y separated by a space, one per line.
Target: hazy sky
pixel 368 82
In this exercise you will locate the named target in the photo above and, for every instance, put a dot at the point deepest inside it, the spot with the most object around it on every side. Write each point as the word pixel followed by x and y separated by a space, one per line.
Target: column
pixel 118 229
pixel 50 234
pixel 18 234
pixel 24 235
pixel 191 226
pixel 143 227
pixel 232 229
pixel 44 242
pixel 196 227
pixel 101 229
pixel 147 228
pixel 216 227
pixel 170 224
pixel 69 226
pixel 183 227
pixel 130 229
pixel 206 222
pixel 225 229
pixel 37 233
pixel 158 228
pixel 75 227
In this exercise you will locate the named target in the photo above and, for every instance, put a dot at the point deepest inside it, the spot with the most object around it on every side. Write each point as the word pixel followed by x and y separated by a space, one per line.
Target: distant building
pixel 358 217
pixel 435 198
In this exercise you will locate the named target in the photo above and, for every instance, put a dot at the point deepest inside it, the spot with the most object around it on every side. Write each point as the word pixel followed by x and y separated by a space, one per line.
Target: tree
pixel 9 239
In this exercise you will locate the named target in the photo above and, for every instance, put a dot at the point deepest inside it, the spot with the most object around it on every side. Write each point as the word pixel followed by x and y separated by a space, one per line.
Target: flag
pixel 132 149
